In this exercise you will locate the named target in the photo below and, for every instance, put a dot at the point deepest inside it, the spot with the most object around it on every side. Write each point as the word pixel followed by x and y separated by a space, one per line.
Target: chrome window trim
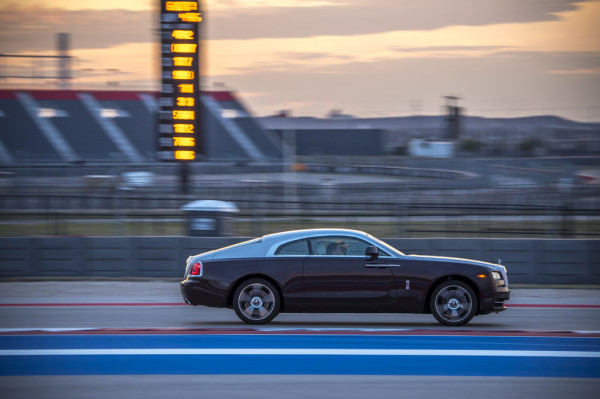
pixel 315 233
pixel 346 256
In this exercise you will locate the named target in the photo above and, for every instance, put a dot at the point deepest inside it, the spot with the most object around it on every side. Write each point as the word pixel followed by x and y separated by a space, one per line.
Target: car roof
pixel 306 233
pixel 267 244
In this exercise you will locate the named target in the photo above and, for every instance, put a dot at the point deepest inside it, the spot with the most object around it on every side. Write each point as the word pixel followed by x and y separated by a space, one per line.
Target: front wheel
pixel 256 301
pixel 453 303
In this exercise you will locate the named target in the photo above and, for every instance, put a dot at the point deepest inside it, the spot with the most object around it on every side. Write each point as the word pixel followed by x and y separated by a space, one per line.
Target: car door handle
pixel 375 266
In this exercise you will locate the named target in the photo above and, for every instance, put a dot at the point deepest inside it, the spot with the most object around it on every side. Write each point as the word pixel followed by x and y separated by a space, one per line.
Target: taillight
pixel 196 269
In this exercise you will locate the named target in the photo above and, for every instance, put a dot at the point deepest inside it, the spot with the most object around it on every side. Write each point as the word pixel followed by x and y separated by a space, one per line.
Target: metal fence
pixel 542 198
pixel 442 216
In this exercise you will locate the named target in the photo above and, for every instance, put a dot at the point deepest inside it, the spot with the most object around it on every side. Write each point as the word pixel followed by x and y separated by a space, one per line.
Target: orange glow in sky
pixel 366 58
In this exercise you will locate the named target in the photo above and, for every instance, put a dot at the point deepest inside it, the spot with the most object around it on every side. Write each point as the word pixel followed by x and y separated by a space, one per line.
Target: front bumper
pixel 494 296
pixel 502 295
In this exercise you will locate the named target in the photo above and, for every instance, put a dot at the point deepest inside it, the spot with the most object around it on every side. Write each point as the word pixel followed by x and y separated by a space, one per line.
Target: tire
pixel 256 301
pixel 453 303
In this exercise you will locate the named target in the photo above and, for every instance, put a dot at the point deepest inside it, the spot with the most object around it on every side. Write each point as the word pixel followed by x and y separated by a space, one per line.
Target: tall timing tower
pixel 180 136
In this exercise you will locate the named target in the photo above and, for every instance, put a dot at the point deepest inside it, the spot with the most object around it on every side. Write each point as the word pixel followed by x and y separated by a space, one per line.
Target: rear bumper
pixel 202 292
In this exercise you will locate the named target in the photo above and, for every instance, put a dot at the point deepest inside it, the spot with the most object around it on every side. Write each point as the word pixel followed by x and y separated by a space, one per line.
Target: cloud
pixel 268 4
pixel 128 64
pixel 496 86
pixel 363 56
pixel 234 20
pixel 427 49
pixel 583 71
pixel 452 51
pixel 84 4
pixel 33 28
pixel 575 31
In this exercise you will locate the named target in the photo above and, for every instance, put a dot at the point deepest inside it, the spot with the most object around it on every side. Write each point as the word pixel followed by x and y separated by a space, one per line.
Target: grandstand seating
pixel 59 126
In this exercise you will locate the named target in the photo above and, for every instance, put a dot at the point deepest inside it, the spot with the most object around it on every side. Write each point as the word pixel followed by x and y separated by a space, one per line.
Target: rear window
pixel 298 248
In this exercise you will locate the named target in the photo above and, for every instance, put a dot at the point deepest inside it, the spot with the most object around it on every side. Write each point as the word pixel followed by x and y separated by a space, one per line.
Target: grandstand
pixel 64 126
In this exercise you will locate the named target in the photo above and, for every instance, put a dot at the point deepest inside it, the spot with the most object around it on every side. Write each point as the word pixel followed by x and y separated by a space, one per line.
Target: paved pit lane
pixel 158 304
pixel 136 339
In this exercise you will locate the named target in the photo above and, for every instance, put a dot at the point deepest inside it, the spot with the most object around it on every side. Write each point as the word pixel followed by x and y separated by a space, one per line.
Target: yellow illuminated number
pixel 183 34
pixel 183 75
pixel 185 155
pixel 183 128
pixel 191 17
pixel 185 101
pixel 181 5
pixel 186 88
pixel 187 115
pixel 183 48
pixel 183 61
pixel 183 141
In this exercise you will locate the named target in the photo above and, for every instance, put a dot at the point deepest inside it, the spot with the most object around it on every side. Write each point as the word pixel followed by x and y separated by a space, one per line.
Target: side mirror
pixel 372 253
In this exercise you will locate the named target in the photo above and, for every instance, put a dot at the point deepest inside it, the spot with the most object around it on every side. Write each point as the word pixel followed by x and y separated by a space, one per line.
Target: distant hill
pixel 421 122
pixel 509 136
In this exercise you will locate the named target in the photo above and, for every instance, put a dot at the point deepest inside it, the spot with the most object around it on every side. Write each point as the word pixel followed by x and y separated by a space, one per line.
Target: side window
pixel 299 248
pixel 340 246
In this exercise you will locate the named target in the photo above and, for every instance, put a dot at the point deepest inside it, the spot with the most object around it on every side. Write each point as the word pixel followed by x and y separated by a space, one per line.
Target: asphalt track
pixel 136 339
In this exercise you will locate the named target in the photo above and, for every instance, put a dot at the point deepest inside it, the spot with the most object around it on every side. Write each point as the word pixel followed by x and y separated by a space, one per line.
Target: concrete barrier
pixel 529 261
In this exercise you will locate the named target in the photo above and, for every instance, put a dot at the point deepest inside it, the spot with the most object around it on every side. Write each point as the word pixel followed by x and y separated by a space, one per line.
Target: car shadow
pixel 345 325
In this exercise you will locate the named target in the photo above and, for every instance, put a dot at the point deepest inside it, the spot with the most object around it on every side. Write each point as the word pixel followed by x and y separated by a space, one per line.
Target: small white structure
pixel 210 218
pixel 211 206
pixel 431 149
pixel 135 180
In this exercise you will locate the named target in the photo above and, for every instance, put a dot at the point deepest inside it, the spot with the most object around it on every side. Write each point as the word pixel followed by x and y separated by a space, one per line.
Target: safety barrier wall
pixel 528 261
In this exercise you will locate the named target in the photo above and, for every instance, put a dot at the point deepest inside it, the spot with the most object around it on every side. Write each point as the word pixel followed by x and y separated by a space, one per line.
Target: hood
pixel 494 266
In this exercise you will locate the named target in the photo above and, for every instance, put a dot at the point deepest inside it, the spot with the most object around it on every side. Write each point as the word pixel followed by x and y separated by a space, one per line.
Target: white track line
pixel 308 351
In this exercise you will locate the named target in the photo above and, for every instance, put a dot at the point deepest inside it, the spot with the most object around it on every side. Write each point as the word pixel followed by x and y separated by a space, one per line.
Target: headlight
pixel 496 276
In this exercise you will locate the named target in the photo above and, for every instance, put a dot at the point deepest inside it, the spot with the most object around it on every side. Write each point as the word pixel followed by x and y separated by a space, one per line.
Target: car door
pixel 346 282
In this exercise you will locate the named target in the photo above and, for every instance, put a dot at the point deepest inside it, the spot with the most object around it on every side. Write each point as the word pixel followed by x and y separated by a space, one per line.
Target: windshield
pixel 387 247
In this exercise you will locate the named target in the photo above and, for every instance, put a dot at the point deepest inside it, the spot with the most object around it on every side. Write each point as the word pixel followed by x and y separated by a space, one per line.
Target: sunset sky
pixel 504 58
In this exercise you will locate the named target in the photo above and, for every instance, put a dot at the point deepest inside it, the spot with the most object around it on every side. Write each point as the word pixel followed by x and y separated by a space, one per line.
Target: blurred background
pixel 404 119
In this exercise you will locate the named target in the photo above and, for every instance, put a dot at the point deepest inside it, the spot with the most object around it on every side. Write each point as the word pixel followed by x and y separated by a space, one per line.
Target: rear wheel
pixel 453 303
pixel 256 301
